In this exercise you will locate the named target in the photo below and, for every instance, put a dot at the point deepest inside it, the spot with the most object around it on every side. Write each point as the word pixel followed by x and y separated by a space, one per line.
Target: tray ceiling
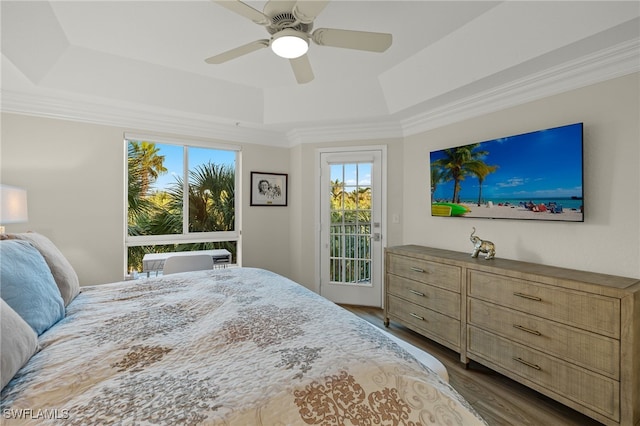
pixel 141 63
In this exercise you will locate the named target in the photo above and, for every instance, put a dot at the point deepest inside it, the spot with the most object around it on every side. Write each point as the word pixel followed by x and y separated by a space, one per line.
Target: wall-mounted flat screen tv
pixel 534 176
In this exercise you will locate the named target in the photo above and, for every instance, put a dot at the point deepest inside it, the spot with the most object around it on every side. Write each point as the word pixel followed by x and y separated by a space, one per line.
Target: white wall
pixel 265 230
pixel 74 175
pixel 609 239
pixel 607 242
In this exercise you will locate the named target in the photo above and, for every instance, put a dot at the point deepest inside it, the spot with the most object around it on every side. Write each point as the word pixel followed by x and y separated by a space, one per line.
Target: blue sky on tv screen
pixel 541 164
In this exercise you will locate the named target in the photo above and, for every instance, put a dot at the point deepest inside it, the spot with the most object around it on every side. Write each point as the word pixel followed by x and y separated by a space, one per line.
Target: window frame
pixel 186 236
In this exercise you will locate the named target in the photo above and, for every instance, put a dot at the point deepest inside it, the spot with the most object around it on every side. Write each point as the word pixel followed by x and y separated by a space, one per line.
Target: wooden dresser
pixel 425 296
pixel 571 335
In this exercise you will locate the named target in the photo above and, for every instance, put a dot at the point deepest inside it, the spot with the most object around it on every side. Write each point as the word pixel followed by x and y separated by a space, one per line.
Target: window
pixel 350 232
pixel 181 196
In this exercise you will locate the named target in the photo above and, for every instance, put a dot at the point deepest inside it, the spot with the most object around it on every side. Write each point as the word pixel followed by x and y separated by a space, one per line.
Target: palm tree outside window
pixel 180 197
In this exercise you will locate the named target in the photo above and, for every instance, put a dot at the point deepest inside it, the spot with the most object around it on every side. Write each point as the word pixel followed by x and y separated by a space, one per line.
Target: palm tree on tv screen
pixel 481 170
pixel 437 176
pixel 458 163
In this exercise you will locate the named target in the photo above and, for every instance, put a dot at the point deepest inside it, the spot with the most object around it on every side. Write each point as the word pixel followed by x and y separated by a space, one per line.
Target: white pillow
pixel 18 341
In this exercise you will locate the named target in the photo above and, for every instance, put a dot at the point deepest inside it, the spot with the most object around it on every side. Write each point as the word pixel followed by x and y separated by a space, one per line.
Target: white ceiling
pixel 141 64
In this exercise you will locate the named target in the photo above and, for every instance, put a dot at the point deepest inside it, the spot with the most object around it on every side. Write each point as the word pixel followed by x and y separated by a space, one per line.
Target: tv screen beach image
pixel 536 176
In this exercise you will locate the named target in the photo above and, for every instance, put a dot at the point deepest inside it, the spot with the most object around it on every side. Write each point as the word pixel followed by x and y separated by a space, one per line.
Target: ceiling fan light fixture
pixel 289 44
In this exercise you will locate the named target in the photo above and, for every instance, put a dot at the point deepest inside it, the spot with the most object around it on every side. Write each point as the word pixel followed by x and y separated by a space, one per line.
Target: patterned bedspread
pixel 236 346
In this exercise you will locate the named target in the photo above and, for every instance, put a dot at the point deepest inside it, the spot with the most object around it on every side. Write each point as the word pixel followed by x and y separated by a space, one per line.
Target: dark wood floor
pixel 498 399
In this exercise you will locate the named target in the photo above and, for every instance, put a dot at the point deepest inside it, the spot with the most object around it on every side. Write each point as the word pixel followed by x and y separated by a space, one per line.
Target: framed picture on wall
pixel 268 189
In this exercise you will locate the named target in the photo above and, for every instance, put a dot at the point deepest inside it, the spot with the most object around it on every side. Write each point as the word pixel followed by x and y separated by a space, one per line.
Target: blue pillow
pixel 27 285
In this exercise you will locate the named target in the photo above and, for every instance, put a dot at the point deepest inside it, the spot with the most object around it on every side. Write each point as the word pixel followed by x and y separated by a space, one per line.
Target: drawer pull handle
pixel 528 330
pixel 415 269
pixel 417 293
pixel 416 316
pixel 527 296
pixel 527 363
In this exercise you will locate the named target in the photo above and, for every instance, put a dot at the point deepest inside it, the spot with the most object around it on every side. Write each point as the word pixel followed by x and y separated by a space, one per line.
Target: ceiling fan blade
pixel 348 39
pixel 306 11
pixel 302 69
pixel 238 51
pixel 245 10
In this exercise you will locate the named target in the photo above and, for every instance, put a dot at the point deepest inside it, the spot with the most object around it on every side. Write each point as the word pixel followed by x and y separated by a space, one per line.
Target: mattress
pixel 237 346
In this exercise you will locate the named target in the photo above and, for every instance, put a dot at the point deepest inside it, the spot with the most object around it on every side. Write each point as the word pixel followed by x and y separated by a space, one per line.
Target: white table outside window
pixel 154 262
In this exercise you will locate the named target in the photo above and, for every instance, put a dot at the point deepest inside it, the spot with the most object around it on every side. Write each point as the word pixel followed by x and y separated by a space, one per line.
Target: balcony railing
pixel 350 252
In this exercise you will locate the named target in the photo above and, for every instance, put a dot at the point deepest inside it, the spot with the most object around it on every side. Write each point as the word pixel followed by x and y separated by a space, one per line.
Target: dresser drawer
pixel 437 274
pixel 584 310
pixel 444 301
pixel 593 351
pixel 591 390
pixel 432 324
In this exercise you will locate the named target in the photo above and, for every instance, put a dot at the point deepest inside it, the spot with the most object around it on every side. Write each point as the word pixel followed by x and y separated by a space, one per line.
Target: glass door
pixel 351 228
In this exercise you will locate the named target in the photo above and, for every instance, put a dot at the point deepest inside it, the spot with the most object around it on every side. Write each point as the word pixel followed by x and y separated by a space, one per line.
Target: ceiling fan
pixel 290 23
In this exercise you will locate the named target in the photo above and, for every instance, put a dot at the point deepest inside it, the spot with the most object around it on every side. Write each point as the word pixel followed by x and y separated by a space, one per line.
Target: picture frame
pixel 269 189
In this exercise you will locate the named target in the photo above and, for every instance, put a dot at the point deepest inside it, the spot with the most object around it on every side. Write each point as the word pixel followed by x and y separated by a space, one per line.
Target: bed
pixel 236 346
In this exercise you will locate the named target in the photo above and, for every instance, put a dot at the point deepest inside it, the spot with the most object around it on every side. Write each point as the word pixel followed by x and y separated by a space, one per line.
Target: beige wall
pixel 74 174
pixel 609 239
pixel 607 242
pixel 265 230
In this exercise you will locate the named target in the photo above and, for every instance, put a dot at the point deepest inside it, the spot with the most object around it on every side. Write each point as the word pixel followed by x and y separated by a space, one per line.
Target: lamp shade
pixel 289 44
pixel 13 204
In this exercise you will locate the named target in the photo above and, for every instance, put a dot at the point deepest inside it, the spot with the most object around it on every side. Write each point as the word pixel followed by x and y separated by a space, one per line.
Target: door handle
pixel 376 236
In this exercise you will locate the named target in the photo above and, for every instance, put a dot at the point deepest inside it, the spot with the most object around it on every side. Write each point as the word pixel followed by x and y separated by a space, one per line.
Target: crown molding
pixel 606 64
pixel 346 132
pixel 136 117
